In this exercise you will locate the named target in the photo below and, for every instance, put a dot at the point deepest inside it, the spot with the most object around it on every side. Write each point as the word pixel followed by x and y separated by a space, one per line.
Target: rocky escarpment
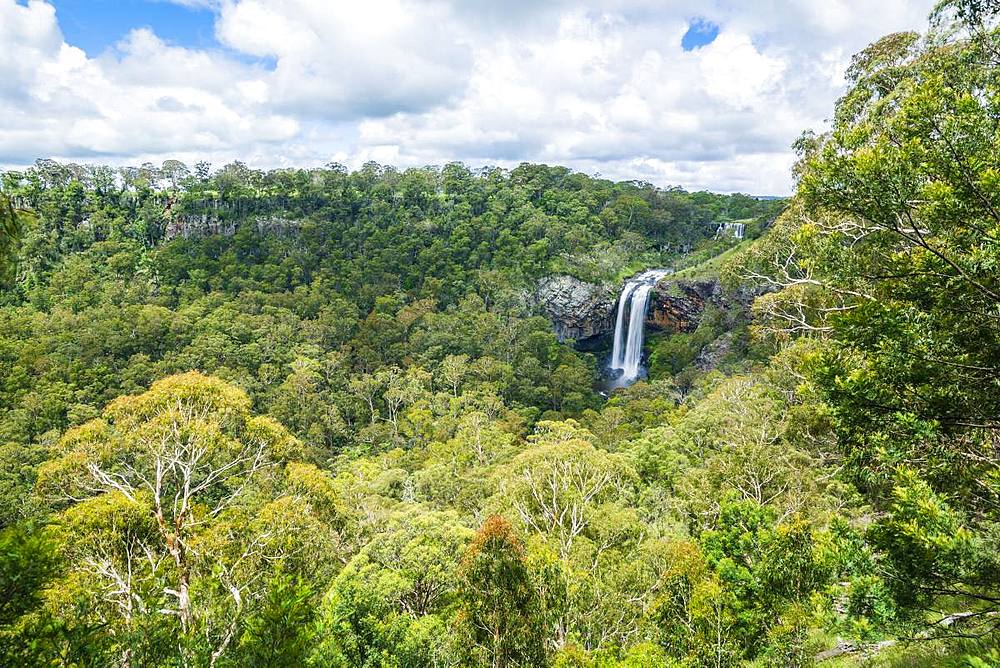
pixel 712 354
pixel 585 312
pixel 676 305
pixel 193 225
pixel 578 310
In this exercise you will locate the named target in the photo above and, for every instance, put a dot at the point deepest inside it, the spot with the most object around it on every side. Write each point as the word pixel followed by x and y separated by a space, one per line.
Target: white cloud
pixel 148 98
pixel 603 88
pixel 735 73
pixel 345 59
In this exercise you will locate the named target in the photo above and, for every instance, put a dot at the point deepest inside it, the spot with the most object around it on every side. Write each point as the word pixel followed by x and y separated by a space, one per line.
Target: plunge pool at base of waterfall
pixel 612 380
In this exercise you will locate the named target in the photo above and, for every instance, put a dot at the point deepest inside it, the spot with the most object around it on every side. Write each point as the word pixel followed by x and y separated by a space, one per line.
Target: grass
pixel 712 266
pixel 942 653
pixel 612 264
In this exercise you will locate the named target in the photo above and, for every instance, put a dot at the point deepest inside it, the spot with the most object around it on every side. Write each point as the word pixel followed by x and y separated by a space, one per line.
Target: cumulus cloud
pixel 144 98
pixel 603 88
pixel 350 59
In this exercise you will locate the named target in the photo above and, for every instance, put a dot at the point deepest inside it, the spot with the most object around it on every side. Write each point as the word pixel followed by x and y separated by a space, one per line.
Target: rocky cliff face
pixel 677 304
pixel 711 355
pixel 204 224
pixel 578 310
pixel 586 311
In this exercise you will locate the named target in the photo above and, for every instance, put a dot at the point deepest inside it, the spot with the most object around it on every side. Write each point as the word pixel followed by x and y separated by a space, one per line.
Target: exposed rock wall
pixel 711 355
pixel 677 304
pixel 578 310
pixel 211 223
pixel 198 225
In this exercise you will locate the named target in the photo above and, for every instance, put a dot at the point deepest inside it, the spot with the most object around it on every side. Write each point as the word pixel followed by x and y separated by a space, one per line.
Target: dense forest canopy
pixel 247 275
pixel 313 417
pixel 374 231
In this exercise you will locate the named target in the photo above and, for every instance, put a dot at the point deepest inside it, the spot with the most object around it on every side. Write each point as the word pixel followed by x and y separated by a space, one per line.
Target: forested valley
pixel 318 417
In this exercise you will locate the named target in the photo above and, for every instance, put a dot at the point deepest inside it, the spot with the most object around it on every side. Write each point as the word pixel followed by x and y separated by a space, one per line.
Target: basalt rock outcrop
pixel 578 310
pixel 677 304
pixel 193 225
pixel 585 312
pixel 712 354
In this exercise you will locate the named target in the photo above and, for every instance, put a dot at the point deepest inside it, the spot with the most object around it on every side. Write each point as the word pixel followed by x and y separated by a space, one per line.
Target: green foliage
pixel 10 232
pixel 261 415
pixel 172 510
pixel 28 561
pixel 397 592
pixel 500 610
pixel 281 631
pixel 771 569
pixel 265 421
pixel 17 479
pixel 889 253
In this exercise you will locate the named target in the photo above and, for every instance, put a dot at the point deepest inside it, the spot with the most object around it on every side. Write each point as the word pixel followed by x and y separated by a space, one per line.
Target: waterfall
pixel 633 346
pixel 737 230
pixel 617 354
pixel 626 352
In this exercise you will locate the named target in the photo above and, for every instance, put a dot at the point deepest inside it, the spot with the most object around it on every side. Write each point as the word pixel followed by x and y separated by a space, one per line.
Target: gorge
pixel 615 322
pixel 361 415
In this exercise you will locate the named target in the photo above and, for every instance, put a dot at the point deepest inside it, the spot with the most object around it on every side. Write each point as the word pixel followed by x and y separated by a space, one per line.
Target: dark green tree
pixel 10 232
pixel 500 611
pixel 282 630
pixel 891 252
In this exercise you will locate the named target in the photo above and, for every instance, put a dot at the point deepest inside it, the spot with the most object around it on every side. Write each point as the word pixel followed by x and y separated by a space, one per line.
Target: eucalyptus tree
pixel 173 514
pixel 890 253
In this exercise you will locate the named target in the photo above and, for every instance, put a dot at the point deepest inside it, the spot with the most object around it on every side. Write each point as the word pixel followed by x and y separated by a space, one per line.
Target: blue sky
pixel 705 94
pixel 94 25
pixel 699 33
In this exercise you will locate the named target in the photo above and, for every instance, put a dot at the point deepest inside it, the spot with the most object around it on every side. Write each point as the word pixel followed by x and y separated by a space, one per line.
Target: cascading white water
pixel 617 354
pixel 626 352
pixel 633 345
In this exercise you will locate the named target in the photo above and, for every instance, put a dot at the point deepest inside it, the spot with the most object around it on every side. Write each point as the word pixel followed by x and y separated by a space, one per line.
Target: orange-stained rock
pixel 677 304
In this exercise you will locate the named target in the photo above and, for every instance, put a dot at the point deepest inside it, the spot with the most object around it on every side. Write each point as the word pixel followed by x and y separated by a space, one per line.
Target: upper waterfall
pixel 626 352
